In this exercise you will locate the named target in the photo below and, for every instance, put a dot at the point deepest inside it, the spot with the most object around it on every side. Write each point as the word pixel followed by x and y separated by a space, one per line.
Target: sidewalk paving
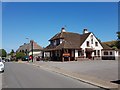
pixel 0 81
pixel 97 72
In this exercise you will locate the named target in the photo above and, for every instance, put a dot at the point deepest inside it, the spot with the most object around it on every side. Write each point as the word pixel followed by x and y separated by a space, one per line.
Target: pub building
pixel 69 46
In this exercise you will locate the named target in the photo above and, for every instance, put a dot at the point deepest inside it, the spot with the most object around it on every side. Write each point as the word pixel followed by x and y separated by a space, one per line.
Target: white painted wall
pixel 39 53
pixel 114 53
pixel 84 45
pixel 76 53
pixel 46 54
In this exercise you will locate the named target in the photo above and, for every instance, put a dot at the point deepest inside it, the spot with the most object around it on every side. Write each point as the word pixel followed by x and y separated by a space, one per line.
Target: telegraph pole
pixel 27 47
pixel 32 49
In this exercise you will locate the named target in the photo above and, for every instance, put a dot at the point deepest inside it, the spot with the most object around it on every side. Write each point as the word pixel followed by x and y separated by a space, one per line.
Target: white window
pixel 91 39
pixel 111 53
pixel 105 53
pixel 96 43
pixel 88 44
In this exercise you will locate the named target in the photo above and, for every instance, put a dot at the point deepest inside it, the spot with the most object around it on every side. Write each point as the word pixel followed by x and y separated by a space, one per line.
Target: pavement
pixel 98 72
pixel 0 81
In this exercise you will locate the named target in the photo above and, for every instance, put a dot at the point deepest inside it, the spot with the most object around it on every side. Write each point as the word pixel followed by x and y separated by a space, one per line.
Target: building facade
pixel 68 46
pixel 109 53
pixel 29 47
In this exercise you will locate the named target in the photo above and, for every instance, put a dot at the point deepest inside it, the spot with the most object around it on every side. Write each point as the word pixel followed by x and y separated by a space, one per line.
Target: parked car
pixel 2 67
pixel 25 58
pixel 3 61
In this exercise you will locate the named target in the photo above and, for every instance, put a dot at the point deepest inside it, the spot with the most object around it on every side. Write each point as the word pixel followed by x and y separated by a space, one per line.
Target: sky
pixel 40 21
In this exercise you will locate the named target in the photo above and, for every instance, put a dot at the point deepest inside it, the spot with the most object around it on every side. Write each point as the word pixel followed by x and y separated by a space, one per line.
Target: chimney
pixel 85 31
pixel 63 29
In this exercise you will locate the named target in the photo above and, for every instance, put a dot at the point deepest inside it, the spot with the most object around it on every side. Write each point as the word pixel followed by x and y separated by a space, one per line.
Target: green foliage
pixel 118 44
pixel 118 35
pixel 19 55
pixel 3 53
pixel 118 41
pixel 12 52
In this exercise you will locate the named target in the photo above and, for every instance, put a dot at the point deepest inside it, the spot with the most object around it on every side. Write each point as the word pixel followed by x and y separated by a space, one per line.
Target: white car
pixel 2 67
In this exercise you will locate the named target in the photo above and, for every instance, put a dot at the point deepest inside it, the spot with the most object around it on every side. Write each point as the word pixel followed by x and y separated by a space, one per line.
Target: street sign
pixel 66 54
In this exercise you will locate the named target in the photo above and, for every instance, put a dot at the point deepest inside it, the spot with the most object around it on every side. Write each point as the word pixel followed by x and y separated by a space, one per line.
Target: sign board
pixel 66 54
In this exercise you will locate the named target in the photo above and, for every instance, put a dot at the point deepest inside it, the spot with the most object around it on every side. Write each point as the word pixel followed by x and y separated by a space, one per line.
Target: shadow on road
pixel 117 81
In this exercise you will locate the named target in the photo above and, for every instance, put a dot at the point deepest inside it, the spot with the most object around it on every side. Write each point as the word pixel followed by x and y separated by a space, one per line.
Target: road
pixel 0 81
pixel 20 75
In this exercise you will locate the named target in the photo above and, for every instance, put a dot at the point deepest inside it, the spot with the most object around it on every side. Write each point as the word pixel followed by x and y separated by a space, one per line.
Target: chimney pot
pixel 63 30
pixel 85 31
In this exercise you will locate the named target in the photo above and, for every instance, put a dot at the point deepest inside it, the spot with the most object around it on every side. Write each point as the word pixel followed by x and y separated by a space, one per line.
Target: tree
pixel 12 52
pixel 20 55
pixel 118 40
pixel 3 53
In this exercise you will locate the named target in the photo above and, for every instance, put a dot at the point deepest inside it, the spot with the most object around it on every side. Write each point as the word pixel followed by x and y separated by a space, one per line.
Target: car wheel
pixel 3 71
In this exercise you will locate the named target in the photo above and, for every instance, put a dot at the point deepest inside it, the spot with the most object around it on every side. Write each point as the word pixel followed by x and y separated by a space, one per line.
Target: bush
pixel 20 55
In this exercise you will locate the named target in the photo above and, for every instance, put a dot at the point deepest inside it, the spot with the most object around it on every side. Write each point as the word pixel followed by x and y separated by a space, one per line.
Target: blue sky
pixel 42 20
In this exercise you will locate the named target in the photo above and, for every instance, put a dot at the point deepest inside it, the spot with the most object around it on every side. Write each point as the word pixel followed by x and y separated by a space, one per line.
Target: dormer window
pixel 58 42
pixel 52 43
pixel 61 40
pixel 55 42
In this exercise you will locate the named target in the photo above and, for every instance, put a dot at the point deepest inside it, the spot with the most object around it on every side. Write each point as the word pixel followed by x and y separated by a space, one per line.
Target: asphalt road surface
pixel 0 81
pixel 20 75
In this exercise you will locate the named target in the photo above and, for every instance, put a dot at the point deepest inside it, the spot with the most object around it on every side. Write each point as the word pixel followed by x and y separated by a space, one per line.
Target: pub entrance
pixel 89 53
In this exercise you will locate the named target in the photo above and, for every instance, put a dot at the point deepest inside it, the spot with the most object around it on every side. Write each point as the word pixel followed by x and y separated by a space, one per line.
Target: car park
pixel 2 66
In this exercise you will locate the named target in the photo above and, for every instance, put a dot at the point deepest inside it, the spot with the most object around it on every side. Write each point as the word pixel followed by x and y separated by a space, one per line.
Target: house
pixel 27 49
pixel 68 46
pixel 109 53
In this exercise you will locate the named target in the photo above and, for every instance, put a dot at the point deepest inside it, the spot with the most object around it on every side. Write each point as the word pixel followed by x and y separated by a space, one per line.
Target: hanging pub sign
pixel 66 54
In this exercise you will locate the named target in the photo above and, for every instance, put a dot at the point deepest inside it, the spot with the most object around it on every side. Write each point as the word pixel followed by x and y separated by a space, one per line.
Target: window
pixel 57 42
pixel 111 53
pixel 95 52
pixel 98 52
pixel 52 43
pixel 88 44
pixel 61 40
pixel 83 52
pixel 105 53
pixel 79 53
pixel 96 43
pixel 91 39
